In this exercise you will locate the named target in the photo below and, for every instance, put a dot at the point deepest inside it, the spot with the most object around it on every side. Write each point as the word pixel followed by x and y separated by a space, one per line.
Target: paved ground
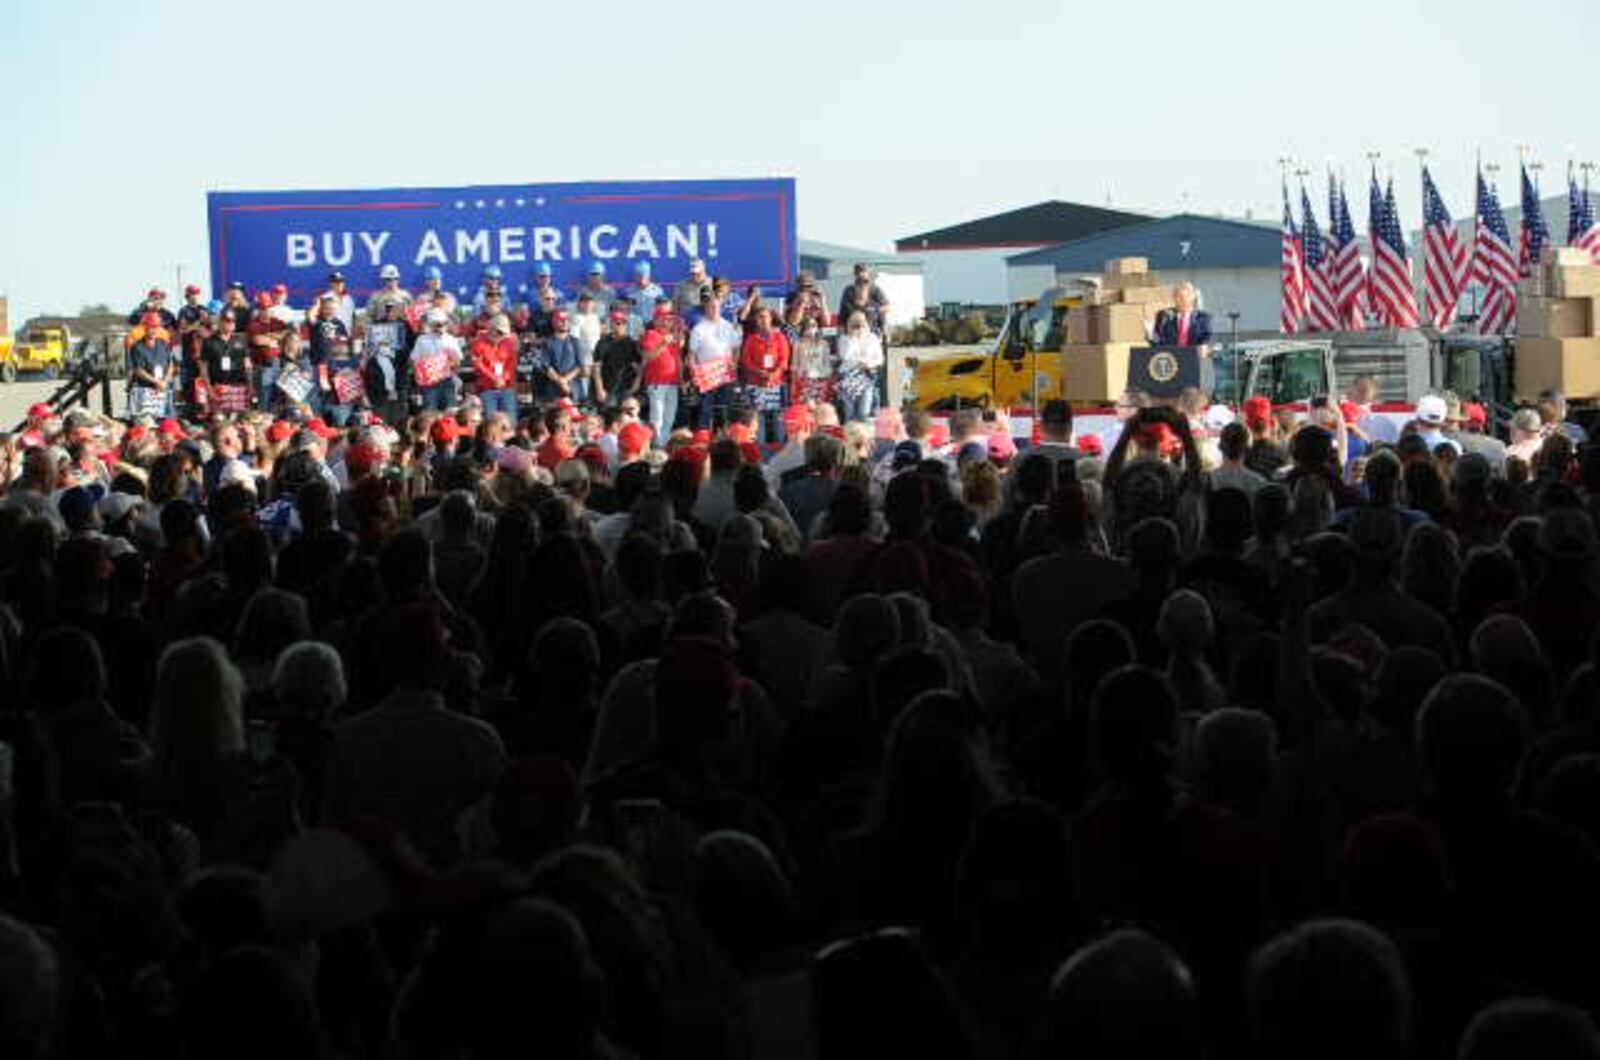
pixel 16 397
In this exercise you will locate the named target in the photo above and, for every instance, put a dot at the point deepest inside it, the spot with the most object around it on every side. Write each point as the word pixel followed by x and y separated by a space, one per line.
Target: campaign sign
pixel 742 229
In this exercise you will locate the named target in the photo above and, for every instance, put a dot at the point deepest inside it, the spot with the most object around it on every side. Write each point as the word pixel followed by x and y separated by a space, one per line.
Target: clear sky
pixel 893 118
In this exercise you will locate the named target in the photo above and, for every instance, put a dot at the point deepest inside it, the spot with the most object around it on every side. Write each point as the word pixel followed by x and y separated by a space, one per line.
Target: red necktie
pixel 1183 329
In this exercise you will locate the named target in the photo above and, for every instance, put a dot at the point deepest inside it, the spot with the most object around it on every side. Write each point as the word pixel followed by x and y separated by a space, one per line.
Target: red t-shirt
pixel 666 369
pixel 265 328
pixel 495 362
pixel 765 358
pixel 552 451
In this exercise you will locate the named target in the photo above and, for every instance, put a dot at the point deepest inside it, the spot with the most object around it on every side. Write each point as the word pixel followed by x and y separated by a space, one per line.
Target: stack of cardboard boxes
pixel 1558 326
pixel 1100 333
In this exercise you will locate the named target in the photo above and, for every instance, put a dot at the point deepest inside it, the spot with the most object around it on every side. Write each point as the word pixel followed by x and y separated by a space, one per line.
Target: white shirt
pixel 713 339
pixel 864 350
pixel 586 328
pixel 448 344
pixel 344 308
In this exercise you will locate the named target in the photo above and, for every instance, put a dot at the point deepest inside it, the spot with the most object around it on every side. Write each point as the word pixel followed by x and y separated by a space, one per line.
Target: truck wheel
pixel 8 372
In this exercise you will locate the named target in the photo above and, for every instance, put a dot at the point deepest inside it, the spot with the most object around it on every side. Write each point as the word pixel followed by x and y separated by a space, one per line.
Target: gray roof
pixel 1053 221
pixel 815 253
pixel 1182 241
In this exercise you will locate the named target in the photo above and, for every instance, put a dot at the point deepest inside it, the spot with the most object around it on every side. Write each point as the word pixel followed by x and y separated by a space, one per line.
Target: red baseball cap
pixel 156 292
pixel 364 458
pixel 1091 445
pixel 1351 413
pixel 445 430
pixel 39 411
pixel 151 320
pixel 279 431
pixel 193 288
pixel 1257 409
pixel 662 312
pixel 1001 447
pixel 938 434
pixel 319 427
pixel 619 318
pixel 702 436
pixel 798 418
pixel 264 299
pixel 172 428
pixel 279 288
pixel 560 316
pixel 634 438
pixel 1476 413
pixel 136 432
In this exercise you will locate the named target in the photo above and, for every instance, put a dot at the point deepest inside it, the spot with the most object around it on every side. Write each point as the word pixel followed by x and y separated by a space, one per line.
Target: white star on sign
pixel 538 201
pixel 499 204
pixel 522 202
pixel 480 204
pixel 460 205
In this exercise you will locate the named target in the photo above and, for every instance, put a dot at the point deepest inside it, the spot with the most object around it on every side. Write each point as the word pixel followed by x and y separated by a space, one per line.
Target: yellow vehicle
pixel 41 349
pixel 1023 368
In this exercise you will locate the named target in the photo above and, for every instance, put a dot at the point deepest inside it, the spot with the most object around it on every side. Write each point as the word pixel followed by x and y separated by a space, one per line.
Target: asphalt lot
pixel 16 397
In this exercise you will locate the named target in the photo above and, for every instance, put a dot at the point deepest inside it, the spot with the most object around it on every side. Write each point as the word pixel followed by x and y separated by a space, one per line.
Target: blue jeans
pixel 711 401
pixel 503 400
pixel 440 396
pixel 663 410
pixel 267 395
pixel 861 408
pixel 337 415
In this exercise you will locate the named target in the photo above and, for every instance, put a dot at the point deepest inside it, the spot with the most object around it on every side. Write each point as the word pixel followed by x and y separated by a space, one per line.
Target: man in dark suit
pixel 1183 325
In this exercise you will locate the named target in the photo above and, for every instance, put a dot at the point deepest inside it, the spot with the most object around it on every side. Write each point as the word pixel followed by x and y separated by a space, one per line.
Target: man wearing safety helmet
pixel 595 287
pixel 388 293
pixel 344 307
pixel 493 283
pixel 544 280
pixel 433 293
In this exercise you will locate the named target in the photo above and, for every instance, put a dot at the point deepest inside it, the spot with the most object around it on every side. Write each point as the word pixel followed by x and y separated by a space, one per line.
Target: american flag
pixel 1582 231
pixel 1444 259
pixel 1344 258
pixel 1292 307
pixel 1321 312
pixel 1535 230
pixel 1389 283
pixel 1493 267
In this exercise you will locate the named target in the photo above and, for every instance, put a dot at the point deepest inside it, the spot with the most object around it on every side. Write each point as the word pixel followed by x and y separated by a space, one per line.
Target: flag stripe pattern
pixel 1322 313
pixel 1493 267
pixel 1535 230
pixel 1292 304
pixel 1349 284
pixel 1444 259
pixel 1389 283
pixel 1582 231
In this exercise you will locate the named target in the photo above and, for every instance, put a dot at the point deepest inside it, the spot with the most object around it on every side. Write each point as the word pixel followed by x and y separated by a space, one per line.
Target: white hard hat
pixel 438 316
pixel 389 272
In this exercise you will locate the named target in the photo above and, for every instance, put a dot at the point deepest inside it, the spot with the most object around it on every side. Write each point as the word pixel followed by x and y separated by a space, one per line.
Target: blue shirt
pixel 560 356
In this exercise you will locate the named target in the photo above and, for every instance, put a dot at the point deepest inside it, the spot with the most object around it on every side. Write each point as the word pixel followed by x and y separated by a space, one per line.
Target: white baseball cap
pixel 1218 417
pixel 1431 410
pixel 389 272
pixel 438 316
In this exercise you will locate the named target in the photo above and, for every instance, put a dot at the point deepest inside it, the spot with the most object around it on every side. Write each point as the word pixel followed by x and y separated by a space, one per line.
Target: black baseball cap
pixel 335 277
pixel 235 286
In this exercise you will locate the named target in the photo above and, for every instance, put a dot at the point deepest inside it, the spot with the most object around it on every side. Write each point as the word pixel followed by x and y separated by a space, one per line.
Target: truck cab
pixel 1021 367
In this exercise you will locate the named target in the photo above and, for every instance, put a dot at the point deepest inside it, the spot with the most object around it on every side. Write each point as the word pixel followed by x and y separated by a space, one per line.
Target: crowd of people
pixel 415 724
pixel 691 355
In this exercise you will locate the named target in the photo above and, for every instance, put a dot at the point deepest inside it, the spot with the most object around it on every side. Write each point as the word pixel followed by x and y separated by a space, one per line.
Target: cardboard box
pixel 1127 266
pixel 1531 286
pixel 1154 299
pixel 1097 372
pixel 1564 256
pixel 1569 365
pixel 1572 281
pixel 1556 318
pixel 1134 281
pixel 1117 323
pixel 1078 329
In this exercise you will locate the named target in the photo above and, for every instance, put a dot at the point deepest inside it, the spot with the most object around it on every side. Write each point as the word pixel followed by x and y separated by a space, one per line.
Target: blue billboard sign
pixel 742 229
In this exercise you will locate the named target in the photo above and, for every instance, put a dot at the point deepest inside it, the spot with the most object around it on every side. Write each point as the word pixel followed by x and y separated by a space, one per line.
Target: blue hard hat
pixel 543 269
pixel 214 306
pixel 642 268
pixel 433 272
pixel 597 267
pixel 492 272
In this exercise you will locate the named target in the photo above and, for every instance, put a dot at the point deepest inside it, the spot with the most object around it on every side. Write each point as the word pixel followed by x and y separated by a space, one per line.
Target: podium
pixel 1164 371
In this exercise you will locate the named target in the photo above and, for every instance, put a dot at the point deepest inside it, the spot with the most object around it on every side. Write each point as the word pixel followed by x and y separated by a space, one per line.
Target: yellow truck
pixel 1023 368
pixel 40 349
